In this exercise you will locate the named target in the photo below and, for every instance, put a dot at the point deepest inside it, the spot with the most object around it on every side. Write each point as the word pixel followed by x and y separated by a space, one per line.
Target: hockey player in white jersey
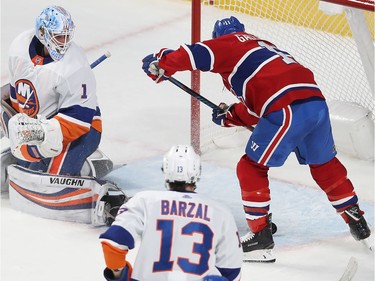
pixel 53 89
pixel 185 237
pixel 51 116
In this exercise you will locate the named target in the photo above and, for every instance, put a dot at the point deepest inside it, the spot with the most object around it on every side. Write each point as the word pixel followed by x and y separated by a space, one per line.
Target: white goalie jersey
pixel 65 90
pixel 184 236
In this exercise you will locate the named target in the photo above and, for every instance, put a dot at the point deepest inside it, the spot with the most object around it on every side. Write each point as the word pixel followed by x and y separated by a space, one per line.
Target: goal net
pixel 335 41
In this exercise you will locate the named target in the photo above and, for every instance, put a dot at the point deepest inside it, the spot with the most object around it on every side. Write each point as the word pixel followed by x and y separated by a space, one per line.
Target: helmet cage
pixel 55 30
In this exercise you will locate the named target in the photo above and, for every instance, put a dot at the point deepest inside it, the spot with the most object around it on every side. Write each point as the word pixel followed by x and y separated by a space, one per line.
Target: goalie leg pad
pixel 66 198
pixel 7 159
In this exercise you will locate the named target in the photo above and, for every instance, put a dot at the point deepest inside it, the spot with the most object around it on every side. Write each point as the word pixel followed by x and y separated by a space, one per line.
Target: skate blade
pixel 264 256
pixel 368 243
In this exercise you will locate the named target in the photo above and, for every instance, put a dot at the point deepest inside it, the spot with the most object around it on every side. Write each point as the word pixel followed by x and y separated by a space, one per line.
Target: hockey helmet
pixel 55 29
pixel 227 26
pixel 181 164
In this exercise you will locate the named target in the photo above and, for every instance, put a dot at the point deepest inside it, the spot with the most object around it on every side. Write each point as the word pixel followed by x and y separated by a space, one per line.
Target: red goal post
pixel 362 4
pixel 334 38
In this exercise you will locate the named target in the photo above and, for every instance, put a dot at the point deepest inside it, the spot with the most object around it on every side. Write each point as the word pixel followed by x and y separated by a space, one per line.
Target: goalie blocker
pixel 66 198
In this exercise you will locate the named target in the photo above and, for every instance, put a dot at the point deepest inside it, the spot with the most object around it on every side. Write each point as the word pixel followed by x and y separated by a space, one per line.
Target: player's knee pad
pixel 331 177
pixel 251 175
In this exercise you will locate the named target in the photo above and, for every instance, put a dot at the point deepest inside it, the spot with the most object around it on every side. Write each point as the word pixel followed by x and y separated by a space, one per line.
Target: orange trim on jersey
pixel 97 125
pixel 55 165
pixel 38 60
pixel 15 105
pixel 71 131
pixel 115 258
pixel 27 155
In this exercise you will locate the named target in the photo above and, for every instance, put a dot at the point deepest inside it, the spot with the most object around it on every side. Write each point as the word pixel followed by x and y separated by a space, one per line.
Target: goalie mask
pixel 181 164
pixel 227 26
pixel 55 30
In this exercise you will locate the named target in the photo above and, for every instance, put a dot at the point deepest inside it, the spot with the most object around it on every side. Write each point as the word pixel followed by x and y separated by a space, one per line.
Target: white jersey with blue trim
pixel 41 86
pixel 184 236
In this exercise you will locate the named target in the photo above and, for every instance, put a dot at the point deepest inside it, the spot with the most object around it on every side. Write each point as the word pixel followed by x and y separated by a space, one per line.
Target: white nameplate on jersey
pixel 75 199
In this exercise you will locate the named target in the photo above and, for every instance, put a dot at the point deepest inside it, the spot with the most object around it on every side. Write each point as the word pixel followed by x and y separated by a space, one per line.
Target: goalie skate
pixel 113 200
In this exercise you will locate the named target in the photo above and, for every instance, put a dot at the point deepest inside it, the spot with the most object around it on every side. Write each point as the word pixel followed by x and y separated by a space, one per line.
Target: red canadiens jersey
pixel 263 77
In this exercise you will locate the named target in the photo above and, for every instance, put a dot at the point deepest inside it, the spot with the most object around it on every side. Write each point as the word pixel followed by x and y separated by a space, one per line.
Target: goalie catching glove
pixel 151 65
pixel 34 139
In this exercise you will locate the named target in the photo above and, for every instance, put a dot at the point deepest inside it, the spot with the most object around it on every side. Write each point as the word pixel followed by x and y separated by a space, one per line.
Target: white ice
pixel 142 121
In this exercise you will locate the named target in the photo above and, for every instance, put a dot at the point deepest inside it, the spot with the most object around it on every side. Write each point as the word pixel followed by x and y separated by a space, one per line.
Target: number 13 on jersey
pixel 200 249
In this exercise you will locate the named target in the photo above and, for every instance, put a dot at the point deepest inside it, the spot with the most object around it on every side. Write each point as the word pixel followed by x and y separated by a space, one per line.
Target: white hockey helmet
pixel 55 29
pixel 182 164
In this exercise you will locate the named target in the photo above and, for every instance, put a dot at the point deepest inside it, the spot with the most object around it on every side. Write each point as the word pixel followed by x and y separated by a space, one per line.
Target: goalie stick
pixel 197 96
pixel 100 59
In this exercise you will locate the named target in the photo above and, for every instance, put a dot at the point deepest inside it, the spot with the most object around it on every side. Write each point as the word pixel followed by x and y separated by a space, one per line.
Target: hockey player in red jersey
pixel 280 97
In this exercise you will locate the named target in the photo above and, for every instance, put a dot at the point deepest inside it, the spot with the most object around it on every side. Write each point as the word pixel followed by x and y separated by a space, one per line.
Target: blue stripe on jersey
pixel 202 57
pixel 13 92
pixel 84 114
pixel 119 235
pixel 229 273
pixel 248 67
pixel 262 211
pixel 97 112
pixel 33 151
pixel 287 90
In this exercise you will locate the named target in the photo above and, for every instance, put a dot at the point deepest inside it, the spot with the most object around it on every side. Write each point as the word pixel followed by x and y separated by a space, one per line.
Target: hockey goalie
pixel 83 198
pixel 52 121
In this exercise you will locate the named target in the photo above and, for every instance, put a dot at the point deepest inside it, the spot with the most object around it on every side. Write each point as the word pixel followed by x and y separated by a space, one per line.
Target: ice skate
pixel 358 226
pixel 257 247
pixel 114 198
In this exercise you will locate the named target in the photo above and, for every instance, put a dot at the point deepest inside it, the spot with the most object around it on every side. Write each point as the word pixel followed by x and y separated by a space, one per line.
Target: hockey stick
pixel 350 270
pixel 194 94
pixel 100 59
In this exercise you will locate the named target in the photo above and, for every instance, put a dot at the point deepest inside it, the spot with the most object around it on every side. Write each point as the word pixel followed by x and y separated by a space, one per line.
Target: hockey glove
pixel 120 275
pixel 219 114
pixel 151 65
pixel 43 137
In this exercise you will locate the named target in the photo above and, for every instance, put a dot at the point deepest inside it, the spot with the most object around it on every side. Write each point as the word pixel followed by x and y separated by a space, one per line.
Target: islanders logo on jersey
pixel 27 97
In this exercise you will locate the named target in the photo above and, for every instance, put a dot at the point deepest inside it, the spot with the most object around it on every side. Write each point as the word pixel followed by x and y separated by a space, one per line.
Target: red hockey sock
pixel 331 177
pixel 253 179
